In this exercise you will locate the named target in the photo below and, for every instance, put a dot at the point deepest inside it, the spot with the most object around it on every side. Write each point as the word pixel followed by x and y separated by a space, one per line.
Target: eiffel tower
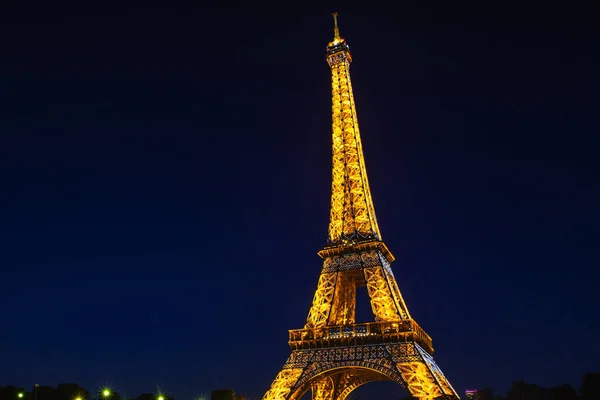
pixel 333 354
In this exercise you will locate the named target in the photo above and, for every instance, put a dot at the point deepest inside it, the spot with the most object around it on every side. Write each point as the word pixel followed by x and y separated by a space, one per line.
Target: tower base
pixel 333 373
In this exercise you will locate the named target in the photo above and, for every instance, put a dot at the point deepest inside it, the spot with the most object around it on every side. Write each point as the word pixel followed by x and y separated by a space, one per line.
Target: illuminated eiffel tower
pixel 333 355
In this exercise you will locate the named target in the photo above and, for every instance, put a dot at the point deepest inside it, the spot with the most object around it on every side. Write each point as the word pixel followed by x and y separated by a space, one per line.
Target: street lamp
pixel 106 393
pixel 20 395
pixel 160 397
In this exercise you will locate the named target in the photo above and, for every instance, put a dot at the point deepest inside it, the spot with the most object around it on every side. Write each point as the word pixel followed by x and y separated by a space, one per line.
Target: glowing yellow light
pixel 78 398
pixel 106 393
pixel 20 395
pixel 160 398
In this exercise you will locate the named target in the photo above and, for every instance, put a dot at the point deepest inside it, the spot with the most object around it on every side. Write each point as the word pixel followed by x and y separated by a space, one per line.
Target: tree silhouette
pixel 113 395
pixel 70 391
pixel 590 386
pixel 525 391
pixel 44 393
pixel 563 392
pixel 485 394
pixel 225 394
pixel 11 392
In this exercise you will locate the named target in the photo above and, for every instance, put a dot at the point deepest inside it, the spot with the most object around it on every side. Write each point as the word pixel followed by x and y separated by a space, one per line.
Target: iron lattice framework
pixel 333 355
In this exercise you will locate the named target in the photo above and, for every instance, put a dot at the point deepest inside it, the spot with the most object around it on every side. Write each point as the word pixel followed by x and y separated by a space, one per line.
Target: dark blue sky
pixel 165 187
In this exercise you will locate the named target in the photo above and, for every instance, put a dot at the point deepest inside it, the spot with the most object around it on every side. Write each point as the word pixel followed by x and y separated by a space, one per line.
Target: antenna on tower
pixel 336 30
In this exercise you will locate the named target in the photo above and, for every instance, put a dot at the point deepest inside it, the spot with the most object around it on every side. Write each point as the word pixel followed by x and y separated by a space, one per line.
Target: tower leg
pixel 282 385
pixel 321 305
pixel 287 379
pixel 343 310
pixel 423 378
pixel 382 300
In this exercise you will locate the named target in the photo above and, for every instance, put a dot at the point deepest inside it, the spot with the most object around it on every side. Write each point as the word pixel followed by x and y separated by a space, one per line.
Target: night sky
pixel 166 179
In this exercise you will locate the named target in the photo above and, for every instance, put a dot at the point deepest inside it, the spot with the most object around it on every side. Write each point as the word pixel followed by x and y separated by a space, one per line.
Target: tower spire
pixel 352 215
pixel 336 30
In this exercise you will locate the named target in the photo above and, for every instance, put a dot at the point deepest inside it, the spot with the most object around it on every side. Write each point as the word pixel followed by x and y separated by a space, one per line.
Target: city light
pixel 106 393
pixel 20 395
pixel 161 397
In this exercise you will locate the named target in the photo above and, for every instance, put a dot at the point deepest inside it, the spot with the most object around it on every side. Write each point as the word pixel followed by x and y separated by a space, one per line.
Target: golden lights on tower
pixel 333 354
pixel 352 215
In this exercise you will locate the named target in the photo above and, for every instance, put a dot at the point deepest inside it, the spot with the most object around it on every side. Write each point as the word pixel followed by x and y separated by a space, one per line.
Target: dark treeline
pixel 69 391
pixel 589 389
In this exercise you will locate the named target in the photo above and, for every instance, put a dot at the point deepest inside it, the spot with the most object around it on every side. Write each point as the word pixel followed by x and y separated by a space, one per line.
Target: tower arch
pixel 337 382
